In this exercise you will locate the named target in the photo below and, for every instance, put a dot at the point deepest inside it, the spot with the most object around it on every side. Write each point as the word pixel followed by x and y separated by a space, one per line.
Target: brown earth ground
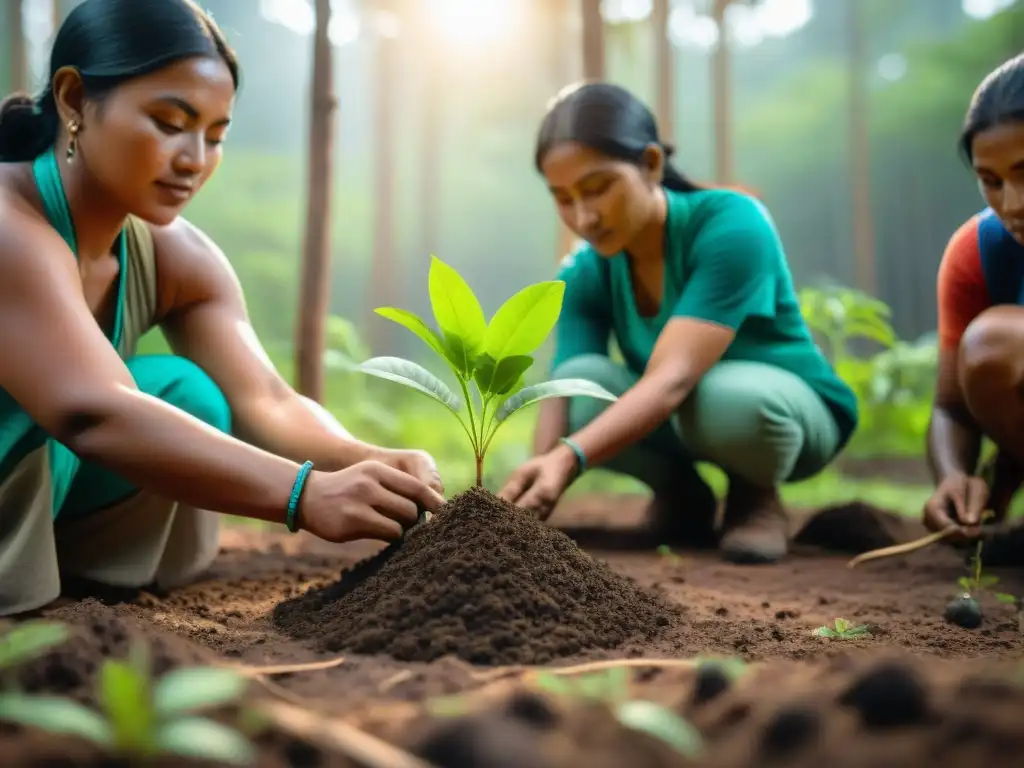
pixel 915 691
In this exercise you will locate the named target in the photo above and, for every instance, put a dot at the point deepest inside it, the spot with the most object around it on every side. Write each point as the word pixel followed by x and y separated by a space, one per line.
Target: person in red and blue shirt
pixel 980 388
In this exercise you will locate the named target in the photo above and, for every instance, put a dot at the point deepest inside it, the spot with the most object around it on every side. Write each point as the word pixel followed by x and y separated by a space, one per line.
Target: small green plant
pixel 141 718
pixel 490 357
pixel 667 553
pixel 841 629
pixel 965 609
pixel 611 687
pixel 28 641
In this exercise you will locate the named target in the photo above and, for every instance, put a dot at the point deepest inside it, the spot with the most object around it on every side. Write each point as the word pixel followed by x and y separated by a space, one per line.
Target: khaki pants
pixel 141 541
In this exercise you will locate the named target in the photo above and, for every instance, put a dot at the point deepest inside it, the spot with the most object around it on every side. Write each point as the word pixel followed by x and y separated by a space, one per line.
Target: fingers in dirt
pixel 410 487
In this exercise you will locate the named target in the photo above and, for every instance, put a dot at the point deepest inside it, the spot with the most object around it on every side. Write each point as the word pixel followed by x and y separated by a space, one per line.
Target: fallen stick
pixel 251 670
pixel 902 549
pixel 361 747
pixel 590 666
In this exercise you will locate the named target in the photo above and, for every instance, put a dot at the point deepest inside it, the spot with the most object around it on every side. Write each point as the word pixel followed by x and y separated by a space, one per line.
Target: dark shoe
pixel 684 515
pixel 755 528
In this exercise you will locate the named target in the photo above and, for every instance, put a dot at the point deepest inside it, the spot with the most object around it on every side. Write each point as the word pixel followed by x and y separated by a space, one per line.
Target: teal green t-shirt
pixel 724 263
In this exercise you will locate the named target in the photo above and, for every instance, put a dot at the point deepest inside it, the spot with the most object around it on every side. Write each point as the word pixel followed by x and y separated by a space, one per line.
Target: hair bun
pixel 23 129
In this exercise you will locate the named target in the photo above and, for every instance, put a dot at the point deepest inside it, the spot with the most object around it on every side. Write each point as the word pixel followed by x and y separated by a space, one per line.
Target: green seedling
pixel 142 719
pixel 611 688
pixel 965 609
pixel 841 629
pixel 666 552
pixel 29 640
pixel 491 358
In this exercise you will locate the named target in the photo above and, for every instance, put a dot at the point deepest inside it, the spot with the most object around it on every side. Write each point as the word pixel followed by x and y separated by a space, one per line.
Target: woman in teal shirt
pixel 720 367
pixel 113 466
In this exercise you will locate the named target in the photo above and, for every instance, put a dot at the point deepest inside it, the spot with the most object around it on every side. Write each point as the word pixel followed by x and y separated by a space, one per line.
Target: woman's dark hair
pixel 611 120
pixel 109 42
pixel 999 99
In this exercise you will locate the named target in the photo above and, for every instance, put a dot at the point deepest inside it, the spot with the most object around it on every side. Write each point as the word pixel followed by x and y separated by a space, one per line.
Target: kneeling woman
pixel 981 321
pixel 108 461
pixel 719 365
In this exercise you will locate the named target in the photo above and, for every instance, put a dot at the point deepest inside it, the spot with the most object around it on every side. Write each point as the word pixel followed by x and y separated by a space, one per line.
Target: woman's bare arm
pixel 954 440
pixel 59 367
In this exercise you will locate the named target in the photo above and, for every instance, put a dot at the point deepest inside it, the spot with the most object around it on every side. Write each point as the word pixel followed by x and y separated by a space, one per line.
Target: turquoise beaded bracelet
pixel 581 458
pixel 292 519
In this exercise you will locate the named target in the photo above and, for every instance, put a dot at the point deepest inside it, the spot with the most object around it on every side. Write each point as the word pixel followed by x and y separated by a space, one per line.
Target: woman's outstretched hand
pixel 369 500
pixel 539 483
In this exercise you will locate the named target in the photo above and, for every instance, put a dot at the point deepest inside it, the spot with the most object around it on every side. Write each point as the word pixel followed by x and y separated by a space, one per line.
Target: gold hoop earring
pixel 73 127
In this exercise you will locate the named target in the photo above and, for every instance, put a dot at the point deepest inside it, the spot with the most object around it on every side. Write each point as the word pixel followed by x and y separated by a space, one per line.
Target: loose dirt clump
pixel 487 583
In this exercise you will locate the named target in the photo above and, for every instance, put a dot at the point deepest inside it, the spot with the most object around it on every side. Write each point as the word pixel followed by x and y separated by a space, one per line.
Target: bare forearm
pixel 162 449
pixel 301 430
pixel 953 445
pixel 552 423
pixel 636 414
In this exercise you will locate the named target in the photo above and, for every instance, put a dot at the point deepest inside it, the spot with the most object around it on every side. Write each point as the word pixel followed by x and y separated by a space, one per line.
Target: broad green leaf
pixel 966 584
pixel 202 739
pixel 842 625
pixel 661 723
pixel 191 688
pixel 415 324
pixel 30 640
pixel 1003 597
pixel 548 389
pixel 609 686
pixel 413 376
pixel 523 322
pixel 456 310
pixel 855 631
pixel 124 695
pixel 987 582
pixel 825 632
pixel 56 715
pixel 501 378
pixel 460 356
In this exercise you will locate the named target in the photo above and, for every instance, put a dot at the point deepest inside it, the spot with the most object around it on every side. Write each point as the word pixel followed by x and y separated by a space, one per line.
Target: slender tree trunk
pixel 16 39
pixel 383 267
pixel 431 147
pixel 721 90
pixel 314 300
pixel 565 64
pixel 664 71
pixel 860 150
pixel 593 41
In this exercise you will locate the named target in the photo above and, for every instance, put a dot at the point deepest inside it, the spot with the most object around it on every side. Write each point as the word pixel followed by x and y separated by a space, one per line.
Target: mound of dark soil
pixel 483 581
pixel 856 527
pixel 98 633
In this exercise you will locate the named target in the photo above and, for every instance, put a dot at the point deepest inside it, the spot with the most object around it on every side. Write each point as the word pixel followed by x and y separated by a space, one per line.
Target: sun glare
pixel 473 23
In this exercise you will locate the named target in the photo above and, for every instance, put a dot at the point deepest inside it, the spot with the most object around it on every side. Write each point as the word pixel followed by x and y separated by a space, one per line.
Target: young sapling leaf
pixel 56 715
pixel 492 357
pixel 189 689
pixel 841 629
pixel 204 739
pixel 30 640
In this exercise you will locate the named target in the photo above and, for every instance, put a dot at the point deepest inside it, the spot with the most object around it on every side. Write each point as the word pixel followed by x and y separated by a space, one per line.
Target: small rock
pixel 789 730
pixel 964 611
pixel 712 681
pixel 888 695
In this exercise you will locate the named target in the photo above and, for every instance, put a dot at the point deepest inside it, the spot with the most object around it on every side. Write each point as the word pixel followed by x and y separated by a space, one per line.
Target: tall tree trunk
pixel 314 299
pixel 860 150
pixel 664 71
pixel 383 267
pixel 431 149
pixel 721 94
pixel 19 53
pixel 566 66
pixel 593 41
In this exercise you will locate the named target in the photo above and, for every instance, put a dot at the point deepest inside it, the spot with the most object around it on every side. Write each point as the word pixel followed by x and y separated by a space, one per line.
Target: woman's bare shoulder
pixel 23 225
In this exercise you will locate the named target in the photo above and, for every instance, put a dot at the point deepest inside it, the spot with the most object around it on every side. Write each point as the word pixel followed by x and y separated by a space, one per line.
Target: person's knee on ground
pixel 751 429
pixel 146 538
pixel 991 373
pixel 682 510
